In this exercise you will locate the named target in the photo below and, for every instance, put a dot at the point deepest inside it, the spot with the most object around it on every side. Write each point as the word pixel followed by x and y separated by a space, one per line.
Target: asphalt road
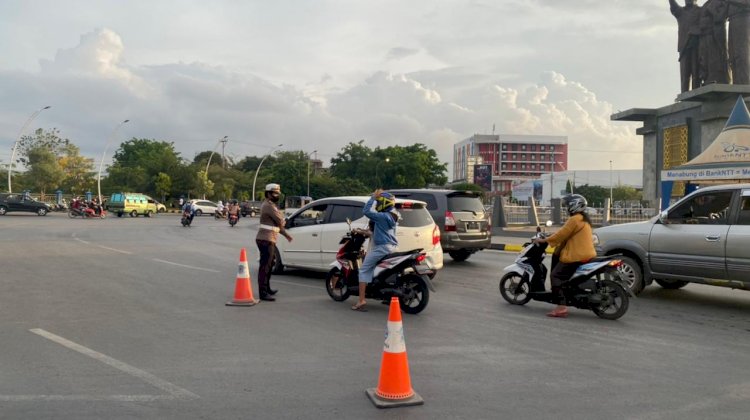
pixel 125 318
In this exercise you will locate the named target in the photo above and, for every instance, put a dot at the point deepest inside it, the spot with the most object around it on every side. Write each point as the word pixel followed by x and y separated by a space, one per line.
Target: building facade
pixel 511 158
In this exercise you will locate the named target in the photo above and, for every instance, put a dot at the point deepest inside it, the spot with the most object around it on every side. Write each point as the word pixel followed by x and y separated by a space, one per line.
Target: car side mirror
pixel 663 217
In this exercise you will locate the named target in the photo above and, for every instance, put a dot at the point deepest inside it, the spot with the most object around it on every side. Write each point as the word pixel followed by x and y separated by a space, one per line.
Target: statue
pixel 713 46
pixel 688 35
pixel 739 40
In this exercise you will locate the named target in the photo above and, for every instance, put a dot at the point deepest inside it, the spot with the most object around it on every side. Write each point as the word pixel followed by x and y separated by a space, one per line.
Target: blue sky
pixel 318 74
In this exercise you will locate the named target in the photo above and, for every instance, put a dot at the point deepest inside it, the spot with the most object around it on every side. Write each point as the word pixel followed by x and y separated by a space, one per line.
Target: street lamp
pixel 101 162
pixel 610 185
pixel 18 139
pixel 377 177
pixel 221 140
pixel 308 171
pixel 261 163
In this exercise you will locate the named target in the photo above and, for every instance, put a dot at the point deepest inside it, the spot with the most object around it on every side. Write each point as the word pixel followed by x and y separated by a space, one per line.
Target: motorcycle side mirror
pixel 538 229
pixel 349 222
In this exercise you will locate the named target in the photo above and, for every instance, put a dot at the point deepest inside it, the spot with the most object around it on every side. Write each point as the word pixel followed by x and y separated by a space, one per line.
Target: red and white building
pixel 513 158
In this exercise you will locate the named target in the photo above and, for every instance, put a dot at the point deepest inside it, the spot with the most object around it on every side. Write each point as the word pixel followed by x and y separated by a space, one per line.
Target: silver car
pixel 703 238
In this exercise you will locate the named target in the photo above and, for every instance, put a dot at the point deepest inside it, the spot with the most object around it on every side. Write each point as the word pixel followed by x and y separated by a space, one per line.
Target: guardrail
pixel 519 215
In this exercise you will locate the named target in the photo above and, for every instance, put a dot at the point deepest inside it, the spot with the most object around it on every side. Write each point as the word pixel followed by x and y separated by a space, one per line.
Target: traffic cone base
pixel 379 402
pixel 243 291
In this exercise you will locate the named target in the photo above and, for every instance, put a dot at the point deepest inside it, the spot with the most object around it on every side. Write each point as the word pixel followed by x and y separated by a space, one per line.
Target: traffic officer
pixel 271 225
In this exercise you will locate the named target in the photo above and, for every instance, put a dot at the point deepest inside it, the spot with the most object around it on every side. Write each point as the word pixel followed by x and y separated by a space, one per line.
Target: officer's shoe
pixel 267 298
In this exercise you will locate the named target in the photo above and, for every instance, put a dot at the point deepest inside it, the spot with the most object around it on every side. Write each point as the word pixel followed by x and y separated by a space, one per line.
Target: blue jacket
pixel 385 225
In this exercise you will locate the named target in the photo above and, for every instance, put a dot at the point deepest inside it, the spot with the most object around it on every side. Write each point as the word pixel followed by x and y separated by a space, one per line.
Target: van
pixel 133 204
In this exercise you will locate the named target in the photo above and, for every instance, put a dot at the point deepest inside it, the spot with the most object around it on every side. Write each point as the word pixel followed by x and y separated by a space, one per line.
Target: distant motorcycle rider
pixel 575 239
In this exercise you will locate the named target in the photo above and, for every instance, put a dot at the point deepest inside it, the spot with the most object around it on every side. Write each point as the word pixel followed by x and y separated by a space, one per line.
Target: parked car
pixel 22 203
pixel 465 226
pixel 204 207
pixel 703 238
pixel 318 227
pixel 250 208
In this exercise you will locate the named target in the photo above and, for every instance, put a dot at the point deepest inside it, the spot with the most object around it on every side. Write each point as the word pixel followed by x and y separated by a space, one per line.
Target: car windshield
pixel 414 216
pixel 467 203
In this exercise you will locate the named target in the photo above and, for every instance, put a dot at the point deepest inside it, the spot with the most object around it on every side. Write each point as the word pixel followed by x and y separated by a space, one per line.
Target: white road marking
pixel 172 389
pixel 116 250
pixel 82 241
pixel 298 284
pixel 118 398
pixel 186 266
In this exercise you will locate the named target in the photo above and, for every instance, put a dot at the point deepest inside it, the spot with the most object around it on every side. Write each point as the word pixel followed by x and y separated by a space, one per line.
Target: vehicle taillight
pixel 421 258
pixel 435 235
pixel 450 222
pixel 615 263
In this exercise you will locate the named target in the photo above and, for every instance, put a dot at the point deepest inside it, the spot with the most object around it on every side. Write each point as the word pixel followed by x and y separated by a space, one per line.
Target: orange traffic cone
pixel 243 291
pixel 394 387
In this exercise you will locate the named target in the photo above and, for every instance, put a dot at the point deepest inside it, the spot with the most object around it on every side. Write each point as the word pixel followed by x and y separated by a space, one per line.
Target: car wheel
pixel 459 254
pixel 3 210
pixel 198 212
pixel 671 284
pixel 278 266
pixel 632 273
pixel 149 213
pixel 161 210
pixel 133 213
pixel 41 212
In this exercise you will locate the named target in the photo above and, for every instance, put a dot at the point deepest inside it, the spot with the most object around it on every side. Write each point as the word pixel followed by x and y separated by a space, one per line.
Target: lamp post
pixel 377 177
pixel 101 162
pixel 259 165
pixel 308 171
pixel 221 140
pixel 611 203
pixel 18 139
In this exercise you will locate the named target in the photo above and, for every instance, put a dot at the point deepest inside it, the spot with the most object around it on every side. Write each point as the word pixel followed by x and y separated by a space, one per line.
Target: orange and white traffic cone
pixel 394 387
pixel 243 291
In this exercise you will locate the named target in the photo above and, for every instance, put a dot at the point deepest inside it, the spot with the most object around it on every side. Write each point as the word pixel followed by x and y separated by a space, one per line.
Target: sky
pixel 316 75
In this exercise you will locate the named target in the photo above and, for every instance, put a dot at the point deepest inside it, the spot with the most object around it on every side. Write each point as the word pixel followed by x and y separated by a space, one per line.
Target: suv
pixel 318 227
pixel 464 225
pixel 703 238
pixel 19 202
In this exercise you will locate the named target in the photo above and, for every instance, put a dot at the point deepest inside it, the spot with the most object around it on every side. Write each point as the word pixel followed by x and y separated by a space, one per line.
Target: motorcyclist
pixel 189 207
pixel 233 209
pixel 220 209
pixel 381 210
pixel 575 240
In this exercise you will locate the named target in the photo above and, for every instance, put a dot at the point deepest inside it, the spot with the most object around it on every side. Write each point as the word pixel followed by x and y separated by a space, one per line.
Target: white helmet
pixel 273 187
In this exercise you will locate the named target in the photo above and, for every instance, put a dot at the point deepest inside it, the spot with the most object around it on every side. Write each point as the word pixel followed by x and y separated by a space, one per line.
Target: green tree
pixel 138 161
pixel 49 139
pixel 78 170
pixel 595 195
pixel 44 172
pixel 204 186
pixel 163 185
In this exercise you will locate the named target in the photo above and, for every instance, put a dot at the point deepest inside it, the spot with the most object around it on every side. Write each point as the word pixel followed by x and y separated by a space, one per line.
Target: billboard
pixel 483 176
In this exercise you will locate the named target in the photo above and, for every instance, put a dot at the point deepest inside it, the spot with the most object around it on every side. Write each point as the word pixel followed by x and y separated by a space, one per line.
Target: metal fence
pixel 519 215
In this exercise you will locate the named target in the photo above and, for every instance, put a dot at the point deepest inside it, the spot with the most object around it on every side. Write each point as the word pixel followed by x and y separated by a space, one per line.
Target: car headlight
pixel 595 238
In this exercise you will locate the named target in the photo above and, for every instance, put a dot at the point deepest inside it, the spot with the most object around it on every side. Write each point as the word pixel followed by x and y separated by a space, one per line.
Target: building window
pixel 523 147
pixel 515 156
pixel 505 147
pixel 505 166
pixel 541 147
pixel 541 166
pixel 515 166
pixel 552 147
pixel 533 157
pixel 523 156
pixel 533 166
pixel 523 166
pixel 513 147
pixel 533 147
pixel 505 156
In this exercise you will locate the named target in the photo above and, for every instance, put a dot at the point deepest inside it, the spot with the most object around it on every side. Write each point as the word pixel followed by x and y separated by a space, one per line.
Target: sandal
pixel 360 308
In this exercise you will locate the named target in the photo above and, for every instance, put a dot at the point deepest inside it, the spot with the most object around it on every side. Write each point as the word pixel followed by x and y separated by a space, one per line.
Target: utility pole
pixel 611 203
pixel 552 178
pixel 223 159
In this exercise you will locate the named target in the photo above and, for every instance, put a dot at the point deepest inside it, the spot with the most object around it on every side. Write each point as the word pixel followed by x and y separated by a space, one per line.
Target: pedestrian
pixel 381 210
pixel 182 202
pixel 271 225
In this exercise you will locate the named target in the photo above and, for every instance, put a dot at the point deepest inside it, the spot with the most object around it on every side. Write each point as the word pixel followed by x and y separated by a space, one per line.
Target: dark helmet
pixel 385 201
pixel 576 203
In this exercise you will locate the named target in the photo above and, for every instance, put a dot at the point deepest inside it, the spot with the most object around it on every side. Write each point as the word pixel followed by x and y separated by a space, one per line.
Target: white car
pixel 318 227
pixel 204 207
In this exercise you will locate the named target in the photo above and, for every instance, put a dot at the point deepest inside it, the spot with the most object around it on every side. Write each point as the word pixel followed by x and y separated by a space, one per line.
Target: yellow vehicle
pixel 133 204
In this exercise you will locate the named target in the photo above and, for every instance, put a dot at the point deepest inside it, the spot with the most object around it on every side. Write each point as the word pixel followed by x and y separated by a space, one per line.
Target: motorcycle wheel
pixel 336 286
pixel 615 300
pixel 416 294
pixel 71 214
pixel 515 289
pixel 103 215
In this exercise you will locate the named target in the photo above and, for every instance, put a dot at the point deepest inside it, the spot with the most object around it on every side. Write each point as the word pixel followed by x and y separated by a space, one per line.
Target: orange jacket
pixel 578 238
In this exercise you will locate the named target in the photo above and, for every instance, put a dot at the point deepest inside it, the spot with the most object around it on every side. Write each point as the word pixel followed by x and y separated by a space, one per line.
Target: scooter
pixel 402 274
pixel 87 213
pixel 187 218
pixel 220 214
pixel 233 220
pixel 596 285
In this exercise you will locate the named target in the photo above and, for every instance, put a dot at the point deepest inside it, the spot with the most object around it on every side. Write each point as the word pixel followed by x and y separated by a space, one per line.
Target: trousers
pixel 267 250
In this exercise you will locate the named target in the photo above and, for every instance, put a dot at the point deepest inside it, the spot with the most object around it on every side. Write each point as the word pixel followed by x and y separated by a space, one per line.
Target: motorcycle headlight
pixel 595 238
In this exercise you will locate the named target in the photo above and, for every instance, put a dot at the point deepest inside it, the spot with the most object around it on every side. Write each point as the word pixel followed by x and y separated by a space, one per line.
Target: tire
pixel 339 294
pixel 671 284
pixel 615 302
pixel 198 213
pixel 120 214
pixel 3 210
pixel 149 213
pixel 459 255
pixel 632 274
pixel 71 214
pixel 278 266
pixel 41 212
pixel 515 289
pixel 416 287
pixel 103 215
pixel 243 214
pixel 160 210
pixel 134 213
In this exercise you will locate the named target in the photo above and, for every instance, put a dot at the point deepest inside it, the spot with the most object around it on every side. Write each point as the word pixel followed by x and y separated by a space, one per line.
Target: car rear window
pixel 413 215
pixel 465 203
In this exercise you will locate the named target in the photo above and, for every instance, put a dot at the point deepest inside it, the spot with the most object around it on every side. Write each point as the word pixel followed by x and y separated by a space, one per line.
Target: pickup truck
pixel 702 238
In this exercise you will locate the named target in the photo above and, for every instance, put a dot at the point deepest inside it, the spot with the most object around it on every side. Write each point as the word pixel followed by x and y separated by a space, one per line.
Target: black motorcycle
pixel 187 218
pixel 402 274
pixel 233 219
pixel 596 285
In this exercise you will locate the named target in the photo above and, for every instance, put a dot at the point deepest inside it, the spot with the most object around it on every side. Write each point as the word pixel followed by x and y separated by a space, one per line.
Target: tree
pixel 78 170
pixel 204 186
pixel 44 172
pixel 138 161
pixel 163 185
pixel 465 186
pixel 595 195
pixel 49 139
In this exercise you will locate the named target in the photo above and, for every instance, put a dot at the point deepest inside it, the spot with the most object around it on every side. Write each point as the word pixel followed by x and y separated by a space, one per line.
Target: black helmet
pixel 576 203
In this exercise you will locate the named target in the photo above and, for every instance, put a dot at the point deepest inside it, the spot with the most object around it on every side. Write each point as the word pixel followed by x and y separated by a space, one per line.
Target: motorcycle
pixel 596 285
pixel 87 213
pixel 402 274
pixel 220 215
pixel 187 218
pixel 232 220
